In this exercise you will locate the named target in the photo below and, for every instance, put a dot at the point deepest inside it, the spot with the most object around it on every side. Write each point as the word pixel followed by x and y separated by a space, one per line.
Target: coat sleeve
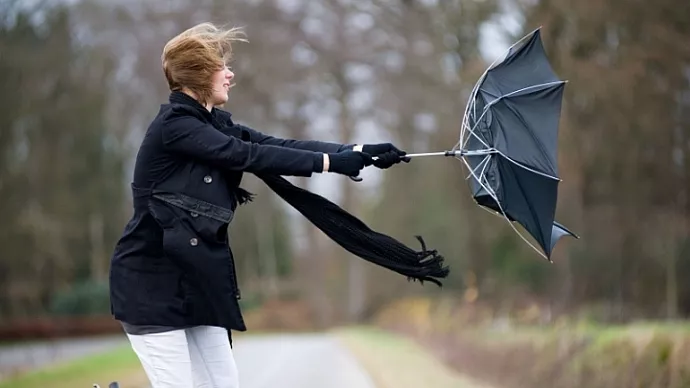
pixel 310 145
pixel 186 135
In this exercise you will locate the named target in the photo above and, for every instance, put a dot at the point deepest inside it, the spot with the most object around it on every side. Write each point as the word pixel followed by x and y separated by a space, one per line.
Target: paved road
pixel 297 361
pixel 41 353
pixel 286 361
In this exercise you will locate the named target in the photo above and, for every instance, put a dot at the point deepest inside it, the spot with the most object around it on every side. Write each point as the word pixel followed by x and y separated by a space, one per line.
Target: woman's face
pixel 222 82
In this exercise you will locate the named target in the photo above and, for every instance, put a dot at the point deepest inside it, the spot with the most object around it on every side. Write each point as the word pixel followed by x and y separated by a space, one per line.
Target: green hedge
pixel 85 298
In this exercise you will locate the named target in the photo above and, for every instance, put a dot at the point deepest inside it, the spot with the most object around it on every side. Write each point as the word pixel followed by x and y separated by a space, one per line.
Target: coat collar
pixel 177 97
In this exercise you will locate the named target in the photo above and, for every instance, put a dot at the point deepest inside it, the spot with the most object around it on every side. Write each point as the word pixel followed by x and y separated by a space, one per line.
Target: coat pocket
pixel 190 226
pixel 195 239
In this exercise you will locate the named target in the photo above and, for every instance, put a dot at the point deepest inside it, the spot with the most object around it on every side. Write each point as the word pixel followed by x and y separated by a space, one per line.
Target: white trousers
pixel 199 357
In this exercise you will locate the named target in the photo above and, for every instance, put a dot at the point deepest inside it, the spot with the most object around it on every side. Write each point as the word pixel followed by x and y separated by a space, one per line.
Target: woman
pixel 172 282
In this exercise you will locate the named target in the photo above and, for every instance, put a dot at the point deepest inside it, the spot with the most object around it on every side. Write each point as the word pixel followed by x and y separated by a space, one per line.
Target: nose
pixel 229 75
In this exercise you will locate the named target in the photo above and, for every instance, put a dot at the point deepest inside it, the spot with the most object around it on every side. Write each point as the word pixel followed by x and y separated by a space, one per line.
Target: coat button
pixel 195 215
pixel 193 242
pixel 208 179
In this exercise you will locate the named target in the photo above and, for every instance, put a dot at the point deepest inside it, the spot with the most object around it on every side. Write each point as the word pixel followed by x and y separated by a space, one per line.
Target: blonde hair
pixel 191 58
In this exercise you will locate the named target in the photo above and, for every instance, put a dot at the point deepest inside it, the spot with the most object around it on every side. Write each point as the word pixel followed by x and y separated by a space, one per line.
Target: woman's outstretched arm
pixel 308 145
pixel 184 134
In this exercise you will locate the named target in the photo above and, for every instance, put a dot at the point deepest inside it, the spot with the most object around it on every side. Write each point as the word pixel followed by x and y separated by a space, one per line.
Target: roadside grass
pixel 394 361
pixel 120 364
pixel 640 354
pixel 639 332
pixel 571 352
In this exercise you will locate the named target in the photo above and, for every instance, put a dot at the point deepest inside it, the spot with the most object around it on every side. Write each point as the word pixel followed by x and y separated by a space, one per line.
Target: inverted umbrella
pixel 508 141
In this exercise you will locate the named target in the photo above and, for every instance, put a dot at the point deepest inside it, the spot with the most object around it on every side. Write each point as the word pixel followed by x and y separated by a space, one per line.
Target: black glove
pixel 384 161
pixel 348 163
pixel 381 148
pixel 387 154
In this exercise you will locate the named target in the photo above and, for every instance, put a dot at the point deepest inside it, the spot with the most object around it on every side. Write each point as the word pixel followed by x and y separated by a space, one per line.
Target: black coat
pixel 173 265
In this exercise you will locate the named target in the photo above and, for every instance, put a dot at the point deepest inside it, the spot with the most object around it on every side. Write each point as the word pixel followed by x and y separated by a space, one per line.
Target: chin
pixel 220 101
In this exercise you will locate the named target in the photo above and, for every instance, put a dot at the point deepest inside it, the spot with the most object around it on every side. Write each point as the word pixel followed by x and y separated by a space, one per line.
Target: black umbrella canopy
pixel 509 140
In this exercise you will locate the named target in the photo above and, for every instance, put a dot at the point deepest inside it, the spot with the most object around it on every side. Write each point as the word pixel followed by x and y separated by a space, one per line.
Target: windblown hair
pixel 191 58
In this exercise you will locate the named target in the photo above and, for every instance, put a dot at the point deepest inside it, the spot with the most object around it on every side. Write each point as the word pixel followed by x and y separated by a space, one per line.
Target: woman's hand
pixel 348 163
pixel 386 154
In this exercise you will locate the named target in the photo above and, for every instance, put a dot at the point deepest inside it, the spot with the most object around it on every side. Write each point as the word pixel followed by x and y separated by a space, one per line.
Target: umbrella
pixel 508 141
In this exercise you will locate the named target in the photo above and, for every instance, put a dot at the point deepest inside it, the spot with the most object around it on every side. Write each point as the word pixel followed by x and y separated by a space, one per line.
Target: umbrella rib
pixel 466 119
pixel 472 132
pixel 483 173
pixel 523 237
pixel 482 164
pixel 527 88
pixel 487 187
pixel 528 168
pixel 471 106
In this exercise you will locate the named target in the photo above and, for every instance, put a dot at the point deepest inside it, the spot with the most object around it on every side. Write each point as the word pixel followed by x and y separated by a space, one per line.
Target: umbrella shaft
pixel 453 153
pixel 449 153
pixel 443 153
